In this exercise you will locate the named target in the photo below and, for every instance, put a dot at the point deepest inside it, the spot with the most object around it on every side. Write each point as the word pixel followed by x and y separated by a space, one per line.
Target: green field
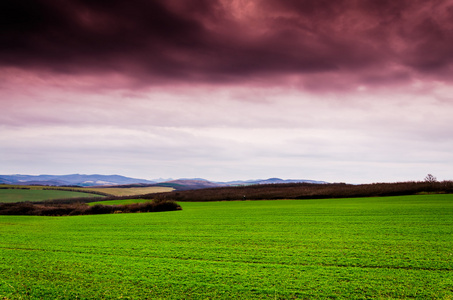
pixel 119 202
pixel 364 248
pixel 131 191
pixel 32 195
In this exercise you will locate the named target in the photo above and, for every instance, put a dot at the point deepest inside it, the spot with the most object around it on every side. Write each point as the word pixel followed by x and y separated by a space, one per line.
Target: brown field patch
pixel 132 191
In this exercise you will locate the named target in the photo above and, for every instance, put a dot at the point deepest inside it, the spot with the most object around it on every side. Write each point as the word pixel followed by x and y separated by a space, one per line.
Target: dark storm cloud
pixel 93 33
pixel 230 41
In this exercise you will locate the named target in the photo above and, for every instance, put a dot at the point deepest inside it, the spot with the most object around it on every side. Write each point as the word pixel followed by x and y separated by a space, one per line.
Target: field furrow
pixel 364 248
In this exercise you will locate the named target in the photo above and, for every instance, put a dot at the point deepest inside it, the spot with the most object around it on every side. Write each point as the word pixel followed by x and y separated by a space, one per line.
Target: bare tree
pixel 430 178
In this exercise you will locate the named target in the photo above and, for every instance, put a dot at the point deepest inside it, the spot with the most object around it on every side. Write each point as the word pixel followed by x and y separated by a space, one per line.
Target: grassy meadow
pixel 118 202
pixel 353 248
pixel 34 195
pixel 107 191
pixel 133 191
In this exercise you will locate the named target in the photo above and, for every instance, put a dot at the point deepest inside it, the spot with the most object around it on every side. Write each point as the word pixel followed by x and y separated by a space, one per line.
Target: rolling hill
pixel 72 179
pixel 122 181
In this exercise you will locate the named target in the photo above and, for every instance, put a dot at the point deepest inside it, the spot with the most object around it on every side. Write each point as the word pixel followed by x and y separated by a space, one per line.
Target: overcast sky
pixel 355 91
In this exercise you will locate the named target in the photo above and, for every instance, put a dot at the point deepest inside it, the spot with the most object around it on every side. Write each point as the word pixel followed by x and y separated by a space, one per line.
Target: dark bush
pixel 79 209
pixel 99 209
pixel 166 206
pixel 51 209
pixel 24 208
pixel 305 191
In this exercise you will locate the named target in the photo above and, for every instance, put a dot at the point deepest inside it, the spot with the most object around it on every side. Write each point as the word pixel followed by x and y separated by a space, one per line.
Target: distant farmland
pixel 64 201
pixel 360 248
pixel 38 195
pixel 14 193
pixel 132 191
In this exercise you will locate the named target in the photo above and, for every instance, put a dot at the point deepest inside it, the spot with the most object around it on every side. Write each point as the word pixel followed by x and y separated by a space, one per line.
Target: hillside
pixel 269 181
pixel 72 179
pixel 306 191
pixel 96 180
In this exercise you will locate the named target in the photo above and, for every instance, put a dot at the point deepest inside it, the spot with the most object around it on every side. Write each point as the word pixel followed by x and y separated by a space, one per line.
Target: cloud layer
pixel 346 90
pixel 372 42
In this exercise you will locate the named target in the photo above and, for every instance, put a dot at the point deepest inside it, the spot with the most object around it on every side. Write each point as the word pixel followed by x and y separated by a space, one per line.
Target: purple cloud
pixel 155 42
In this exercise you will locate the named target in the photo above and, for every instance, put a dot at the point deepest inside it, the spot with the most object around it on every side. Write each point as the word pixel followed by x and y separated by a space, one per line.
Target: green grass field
pixel 365 248
pixel 19 195
pixel 119 202
pixel 131 191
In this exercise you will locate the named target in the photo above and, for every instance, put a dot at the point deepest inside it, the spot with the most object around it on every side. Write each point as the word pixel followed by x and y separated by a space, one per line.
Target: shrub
pixel 51 209
pixel 305 191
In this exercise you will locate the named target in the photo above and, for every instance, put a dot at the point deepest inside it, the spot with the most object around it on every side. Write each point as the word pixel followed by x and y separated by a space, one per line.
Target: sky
pixel 356 91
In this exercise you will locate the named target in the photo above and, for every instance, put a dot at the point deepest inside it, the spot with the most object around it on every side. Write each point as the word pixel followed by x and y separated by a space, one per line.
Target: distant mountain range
pixel 73 179
pixel 271 181
pixel 117 180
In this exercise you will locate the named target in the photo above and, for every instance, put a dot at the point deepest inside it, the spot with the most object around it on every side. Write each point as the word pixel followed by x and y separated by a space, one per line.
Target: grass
pixel 112 191
pixel 361 248
pixel 132 191
pixel 118 202
pixel 33 195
